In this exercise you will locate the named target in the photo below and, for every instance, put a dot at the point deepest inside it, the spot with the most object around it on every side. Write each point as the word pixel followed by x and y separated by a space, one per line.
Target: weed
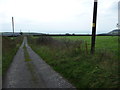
pixel 26 55
pixel 32 71
pixel 71 58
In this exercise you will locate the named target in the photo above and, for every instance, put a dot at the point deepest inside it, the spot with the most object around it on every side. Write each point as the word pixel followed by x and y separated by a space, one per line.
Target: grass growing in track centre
pixel 26 54
pixel 70 56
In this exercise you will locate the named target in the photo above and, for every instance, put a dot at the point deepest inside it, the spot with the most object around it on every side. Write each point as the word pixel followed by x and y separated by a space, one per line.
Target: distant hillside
pixel 10 34
pixel 115 32
pixel 18 34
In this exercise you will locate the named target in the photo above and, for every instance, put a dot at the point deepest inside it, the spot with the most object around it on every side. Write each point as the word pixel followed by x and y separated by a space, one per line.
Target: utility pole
pixel 94 27
pixel 13 25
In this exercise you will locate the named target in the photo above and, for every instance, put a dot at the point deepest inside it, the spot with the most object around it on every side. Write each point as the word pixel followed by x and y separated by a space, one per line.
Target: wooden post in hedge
pixel 94 27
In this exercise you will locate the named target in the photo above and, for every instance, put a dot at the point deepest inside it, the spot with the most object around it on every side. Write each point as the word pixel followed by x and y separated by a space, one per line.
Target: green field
pixel 70 56
pixel 102 42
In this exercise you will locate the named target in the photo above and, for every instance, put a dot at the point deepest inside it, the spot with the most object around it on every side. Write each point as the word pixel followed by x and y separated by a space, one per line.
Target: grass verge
pixel 74 62
pixel 9 49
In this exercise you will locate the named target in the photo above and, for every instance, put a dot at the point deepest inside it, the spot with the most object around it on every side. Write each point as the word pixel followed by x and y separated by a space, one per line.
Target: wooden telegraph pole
pixel 94 27
pixel 13 25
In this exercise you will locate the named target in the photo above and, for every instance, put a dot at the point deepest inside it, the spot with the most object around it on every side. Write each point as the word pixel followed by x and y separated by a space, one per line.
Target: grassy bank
pixel 9 49
pixel 71 58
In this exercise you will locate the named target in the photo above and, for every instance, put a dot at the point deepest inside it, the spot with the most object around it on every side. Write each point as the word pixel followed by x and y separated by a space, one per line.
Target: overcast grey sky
pixel 57 16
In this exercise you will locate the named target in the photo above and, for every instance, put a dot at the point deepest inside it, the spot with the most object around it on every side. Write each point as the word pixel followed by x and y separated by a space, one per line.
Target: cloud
pixel 55 15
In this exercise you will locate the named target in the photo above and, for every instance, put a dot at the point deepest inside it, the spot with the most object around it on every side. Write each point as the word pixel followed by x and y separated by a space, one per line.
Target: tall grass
pixel 71 58
pixel 9 49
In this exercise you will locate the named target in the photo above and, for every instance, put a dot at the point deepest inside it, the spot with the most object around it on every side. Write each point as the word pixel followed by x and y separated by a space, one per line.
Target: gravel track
pixel 32 74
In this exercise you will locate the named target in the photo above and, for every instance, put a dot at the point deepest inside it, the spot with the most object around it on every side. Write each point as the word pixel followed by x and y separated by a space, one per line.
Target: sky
pixel 57 16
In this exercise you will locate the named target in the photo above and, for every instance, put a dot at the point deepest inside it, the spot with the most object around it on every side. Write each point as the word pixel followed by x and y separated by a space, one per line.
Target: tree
pixel 21 33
